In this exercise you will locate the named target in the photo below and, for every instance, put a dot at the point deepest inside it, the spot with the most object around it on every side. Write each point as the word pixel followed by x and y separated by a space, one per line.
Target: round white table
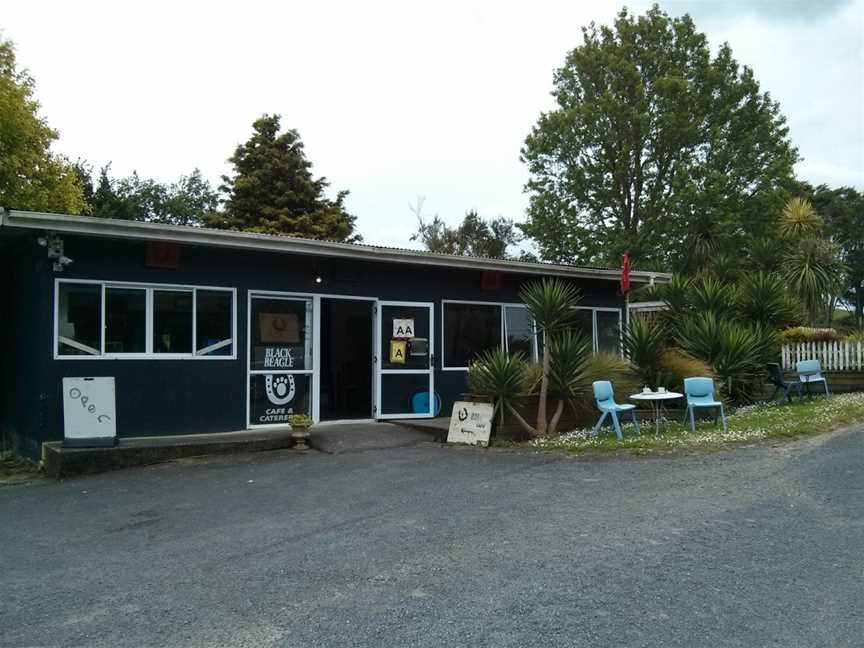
pixel 656 400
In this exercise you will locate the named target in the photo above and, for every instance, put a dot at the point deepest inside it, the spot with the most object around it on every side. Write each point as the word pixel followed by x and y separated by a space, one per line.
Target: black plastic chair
pixel 775 377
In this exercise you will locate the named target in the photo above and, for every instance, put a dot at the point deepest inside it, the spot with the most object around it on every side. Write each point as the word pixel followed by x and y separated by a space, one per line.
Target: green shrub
pixel 855 336
pixel 762 297
pixel 736 352
pixel 645 341
pixel 299 421
pixel 676 365
pixel 808 334
pixel 711 295
pixel 676 294
pixel 609 366
pixel 497 374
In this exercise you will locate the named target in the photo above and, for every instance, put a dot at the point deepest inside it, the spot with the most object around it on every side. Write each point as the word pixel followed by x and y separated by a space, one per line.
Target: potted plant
pixel 300 426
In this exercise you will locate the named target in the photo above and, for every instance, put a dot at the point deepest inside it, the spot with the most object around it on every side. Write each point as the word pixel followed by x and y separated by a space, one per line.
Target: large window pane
pixel 172 321
pixel 583 322
pixel 79 319
pixel 213 323
pixel 274 397
pixel 469 330
pixel 125 320
pixel 519 328
pixel 609 331
pixel 398 391
pixel 281 334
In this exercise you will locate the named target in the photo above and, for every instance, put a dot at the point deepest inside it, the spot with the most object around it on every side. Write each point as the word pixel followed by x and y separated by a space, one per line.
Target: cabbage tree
pixel 551 302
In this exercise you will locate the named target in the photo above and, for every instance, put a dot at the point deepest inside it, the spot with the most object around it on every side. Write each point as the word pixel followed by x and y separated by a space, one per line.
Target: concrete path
pixel 425 546
pixel 359 437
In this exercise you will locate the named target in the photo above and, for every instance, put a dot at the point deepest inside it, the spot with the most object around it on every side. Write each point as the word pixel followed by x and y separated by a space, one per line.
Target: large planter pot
pixel 301 435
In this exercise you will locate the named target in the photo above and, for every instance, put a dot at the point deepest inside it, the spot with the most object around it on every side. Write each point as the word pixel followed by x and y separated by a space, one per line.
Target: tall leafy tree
pixel 31 176
pixel 474 236
pixel 184 202
pixel 655 147
pixel 273 191
pixel 843 212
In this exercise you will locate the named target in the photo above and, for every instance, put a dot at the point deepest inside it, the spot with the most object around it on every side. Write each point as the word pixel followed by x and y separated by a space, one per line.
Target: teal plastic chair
pixel 605 397
pixel 809 372
pixel 700 393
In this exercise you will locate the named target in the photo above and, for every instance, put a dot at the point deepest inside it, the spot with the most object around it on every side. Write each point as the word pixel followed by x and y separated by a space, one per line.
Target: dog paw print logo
pixel 280 389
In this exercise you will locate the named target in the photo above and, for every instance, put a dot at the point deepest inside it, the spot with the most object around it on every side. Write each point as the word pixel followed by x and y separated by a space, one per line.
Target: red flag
pixel 625 274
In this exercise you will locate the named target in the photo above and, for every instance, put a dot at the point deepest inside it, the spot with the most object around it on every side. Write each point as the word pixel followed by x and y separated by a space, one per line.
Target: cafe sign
pixel 470 423
pixel 275 397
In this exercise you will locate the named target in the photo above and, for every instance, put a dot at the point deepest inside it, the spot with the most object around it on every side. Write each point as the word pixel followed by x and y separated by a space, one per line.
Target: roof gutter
pixel 114 228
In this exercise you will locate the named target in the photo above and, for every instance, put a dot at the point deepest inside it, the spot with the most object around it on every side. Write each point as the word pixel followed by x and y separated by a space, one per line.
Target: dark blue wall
pixel 25 341
pixel 164 397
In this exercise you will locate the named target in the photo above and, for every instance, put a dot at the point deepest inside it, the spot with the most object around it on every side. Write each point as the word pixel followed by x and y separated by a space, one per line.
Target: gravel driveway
pixel 428 546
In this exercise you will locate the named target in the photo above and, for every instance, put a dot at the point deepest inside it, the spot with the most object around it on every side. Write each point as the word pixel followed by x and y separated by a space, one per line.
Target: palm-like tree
pixel 764 254
pixel 763 297
pixel 711 295
pixel 735 351
pixel 645 341
pixel 501 376
pixel 569 370
pixel 551 302
pixel 799 219
pixel 814 273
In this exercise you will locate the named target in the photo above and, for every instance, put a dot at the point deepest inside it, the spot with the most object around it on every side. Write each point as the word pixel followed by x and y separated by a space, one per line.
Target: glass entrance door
pixel 404 360
pixel 280 359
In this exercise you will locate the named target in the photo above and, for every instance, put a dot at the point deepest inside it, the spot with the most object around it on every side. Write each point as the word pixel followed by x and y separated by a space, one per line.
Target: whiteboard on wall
pixel 88 408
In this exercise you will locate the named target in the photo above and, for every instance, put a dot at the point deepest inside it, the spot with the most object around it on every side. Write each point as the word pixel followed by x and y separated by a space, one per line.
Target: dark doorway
pixel 346 359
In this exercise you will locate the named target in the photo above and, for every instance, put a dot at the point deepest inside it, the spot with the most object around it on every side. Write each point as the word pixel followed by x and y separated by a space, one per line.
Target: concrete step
pixel 61 462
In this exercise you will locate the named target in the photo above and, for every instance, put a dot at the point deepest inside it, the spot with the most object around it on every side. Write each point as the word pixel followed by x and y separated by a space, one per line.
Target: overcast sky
pixel 395 99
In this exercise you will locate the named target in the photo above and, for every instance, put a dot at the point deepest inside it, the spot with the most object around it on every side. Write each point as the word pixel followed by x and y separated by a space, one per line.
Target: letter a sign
pixel 403 328
pixel 397 351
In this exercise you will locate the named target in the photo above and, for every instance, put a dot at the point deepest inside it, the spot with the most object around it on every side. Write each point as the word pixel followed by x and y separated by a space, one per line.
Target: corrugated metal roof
pixel 114 228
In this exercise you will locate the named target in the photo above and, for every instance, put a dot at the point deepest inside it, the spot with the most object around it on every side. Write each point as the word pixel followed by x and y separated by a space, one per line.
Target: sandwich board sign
pixel 88 412
pixel 470 423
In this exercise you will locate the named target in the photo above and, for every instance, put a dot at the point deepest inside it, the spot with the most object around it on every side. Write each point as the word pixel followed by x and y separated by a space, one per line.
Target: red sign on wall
pixel 490 280
pixel 162 255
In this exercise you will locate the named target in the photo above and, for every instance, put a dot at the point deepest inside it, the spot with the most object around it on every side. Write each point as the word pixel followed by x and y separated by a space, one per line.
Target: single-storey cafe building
pixel 209 331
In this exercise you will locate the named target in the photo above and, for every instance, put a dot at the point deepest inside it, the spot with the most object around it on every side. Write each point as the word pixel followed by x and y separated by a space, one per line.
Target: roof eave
pixel 114 228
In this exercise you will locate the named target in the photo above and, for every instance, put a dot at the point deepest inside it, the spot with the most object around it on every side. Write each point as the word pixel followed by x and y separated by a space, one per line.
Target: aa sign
pixel 403 328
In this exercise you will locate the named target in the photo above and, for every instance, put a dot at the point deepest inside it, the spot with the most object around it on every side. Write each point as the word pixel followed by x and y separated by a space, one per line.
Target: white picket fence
pixel 834 356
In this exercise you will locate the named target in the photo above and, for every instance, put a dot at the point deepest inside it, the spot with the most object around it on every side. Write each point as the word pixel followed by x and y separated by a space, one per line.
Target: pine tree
pixel 273 190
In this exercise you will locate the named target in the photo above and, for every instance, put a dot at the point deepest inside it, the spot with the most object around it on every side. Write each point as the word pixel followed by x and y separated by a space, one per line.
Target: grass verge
pixel 748 424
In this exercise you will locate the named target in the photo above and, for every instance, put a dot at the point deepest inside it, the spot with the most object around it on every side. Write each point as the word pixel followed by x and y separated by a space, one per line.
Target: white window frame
pixel 149 354
pixel 313 372
pixel 380 305
pixel 316 348
pixel 503 327
pixel 595 341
